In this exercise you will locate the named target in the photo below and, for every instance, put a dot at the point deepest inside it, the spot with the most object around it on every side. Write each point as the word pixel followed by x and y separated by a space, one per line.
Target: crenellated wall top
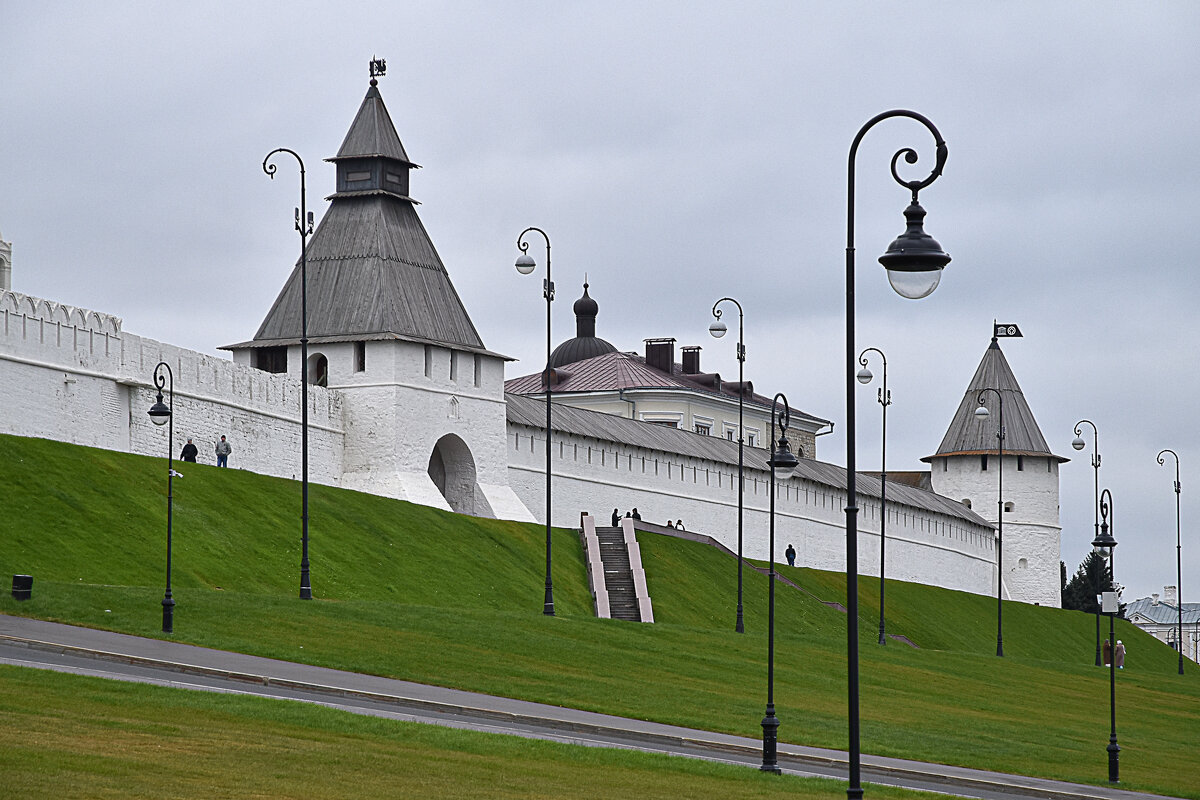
pixel 55 312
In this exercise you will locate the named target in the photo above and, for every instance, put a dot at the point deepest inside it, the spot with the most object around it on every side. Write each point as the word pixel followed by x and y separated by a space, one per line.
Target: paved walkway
pixel 253 670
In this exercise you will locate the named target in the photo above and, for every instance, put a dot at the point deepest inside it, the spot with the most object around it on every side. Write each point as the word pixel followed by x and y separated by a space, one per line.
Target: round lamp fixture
pixel 914 261
pixel 1079 443
pixel 525 263
pixel 864 376
pixel 783 461
pixel 160 412
pixel 717 329
pixel 982 413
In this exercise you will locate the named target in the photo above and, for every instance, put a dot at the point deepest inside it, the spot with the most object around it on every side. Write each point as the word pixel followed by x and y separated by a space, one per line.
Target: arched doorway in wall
pixel 318 369
pixel 452 470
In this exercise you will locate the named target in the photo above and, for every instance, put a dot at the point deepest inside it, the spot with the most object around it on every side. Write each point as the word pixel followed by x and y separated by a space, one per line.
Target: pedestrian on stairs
pixel 616 518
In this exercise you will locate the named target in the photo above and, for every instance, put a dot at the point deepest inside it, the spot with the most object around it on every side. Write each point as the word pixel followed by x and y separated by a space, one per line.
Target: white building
pixel 1161 619
pixel 406 401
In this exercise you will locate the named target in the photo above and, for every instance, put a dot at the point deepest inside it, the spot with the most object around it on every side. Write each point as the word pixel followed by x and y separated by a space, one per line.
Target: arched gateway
pixel 452 470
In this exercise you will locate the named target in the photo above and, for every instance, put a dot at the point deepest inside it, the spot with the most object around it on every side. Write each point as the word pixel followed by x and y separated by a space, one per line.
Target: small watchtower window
pixel 428 361
pixel 271 359
pixel 1020 463
pixel 1008 507
pixel 478 370
pixel 355 177
pixel 983 461
pixel 360 356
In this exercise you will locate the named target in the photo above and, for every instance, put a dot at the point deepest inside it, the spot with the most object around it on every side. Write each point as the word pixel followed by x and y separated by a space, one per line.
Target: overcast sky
pixel 675 152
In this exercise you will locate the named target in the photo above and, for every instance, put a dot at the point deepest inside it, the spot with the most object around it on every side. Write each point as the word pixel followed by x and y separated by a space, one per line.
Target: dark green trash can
pixel 22 587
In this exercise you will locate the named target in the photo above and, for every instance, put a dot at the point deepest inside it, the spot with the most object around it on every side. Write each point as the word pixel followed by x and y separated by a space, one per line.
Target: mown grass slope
pixel 419 594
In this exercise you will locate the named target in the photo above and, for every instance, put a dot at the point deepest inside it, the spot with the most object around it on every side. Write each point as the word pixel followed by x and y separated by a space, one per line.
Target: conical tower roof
pixel 373 272
pixel 968 435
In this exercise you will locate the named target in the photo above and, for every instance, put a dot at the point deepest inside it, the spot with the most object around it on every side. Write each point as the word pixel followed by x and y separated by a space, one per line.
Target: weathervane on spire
pixel 378 67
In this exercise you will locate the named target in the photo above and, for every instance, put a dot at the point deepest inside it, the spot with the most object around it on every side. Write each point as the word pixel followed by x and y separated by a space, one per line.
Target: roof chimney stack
pixel 660 354
pixel 1169 595
pixel 691 360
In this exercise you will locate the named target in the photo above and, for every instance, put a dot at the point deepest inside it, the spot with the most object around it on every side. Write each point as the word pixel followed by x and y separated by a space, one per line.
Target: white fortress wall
pixel 73 375
pixel 596 476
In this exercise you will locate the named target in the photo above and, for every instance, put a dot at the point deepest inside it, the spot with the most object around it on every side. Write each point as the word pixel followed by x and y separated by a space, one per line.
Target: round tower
pixel 967 467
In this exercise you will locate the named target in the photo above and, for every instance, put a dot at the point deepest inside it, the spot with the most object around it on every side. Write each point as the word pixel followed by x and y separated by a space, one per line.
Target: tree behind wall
pixel 1088 581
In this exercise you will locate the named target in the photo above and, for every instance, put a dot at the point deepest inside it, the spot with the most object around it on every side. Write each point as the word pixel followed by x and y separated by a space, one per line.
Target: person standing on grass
pixel 189 452
pixel 791 555
pixel 1107 653
pixel 1119 654
pixel 223 451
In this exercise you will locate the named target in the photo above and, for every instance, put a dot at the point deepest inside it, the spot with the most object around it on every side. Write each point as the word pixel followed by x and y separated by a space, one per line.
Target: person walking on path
pixel 616 519
pixel 1119 654
pixel 223 451
pixel 1107 653
pixel 189 452
pixel 791 555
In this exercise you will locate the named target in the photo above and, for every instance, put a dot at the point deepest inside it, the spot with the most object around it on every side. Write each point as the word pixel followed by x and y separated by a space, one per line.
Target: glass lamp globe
pixel 914 285
pixel 160 412
pixel 982 413
pixel 717 329
pixel 914 261
pixel 525 263
pixel 1079 443
pixel 783 461
pixel 864 376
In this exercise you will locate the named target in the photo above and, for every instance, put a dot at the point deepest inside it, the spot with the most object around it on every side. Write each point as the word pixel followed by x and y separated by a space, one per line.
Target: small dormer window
pixel 393 177
pixel 354 177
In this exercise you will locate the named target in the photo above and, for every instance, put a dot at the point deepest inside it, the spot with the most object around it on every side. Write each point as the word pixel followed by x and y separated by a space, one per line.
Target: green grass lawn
pixel 414 593
pixel 74 737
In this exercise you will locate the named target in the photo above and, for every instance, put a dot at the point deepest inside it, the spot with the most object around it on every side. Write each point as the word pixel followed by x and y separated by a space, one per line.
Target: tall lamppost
pixel 718 329
pixel 782 463
pixel 914 263
pixel 884 396
pixel 1178 557
pixel 162 414
pixel 981 414
pixel 1078 443
pixel 304 226
pixel 525 265
pixel 1105 540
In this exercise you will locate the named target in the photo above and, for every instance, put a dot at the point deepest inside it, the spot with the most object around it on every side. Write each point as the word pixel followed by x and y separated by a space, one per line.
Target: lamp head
pixel 914 261
pixel 717 329
pixel 783 461
pixel 864 376
pixel 525 263
pixel 1079 443
pixel 982 413
pixel 1104 539
pixel 160 412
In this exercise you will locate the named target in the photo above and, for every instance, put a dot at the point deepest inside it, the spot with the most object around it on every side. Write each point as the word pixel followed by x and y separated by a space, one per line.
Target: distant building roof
pixel 531 412
pixel 373 271
pixel 585 344
pixel 967 435
pixel 1160 612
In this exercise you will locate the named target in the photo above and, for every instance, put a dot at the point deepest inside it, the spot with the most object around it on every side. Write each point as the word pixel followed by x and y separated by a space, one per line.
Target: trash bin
pixel 22 587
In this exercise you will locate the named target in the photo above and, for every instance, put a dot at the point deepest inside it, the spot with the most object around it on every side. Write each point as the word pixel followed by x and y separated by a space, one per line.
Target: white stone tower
pixel 423 398
pixel 964 468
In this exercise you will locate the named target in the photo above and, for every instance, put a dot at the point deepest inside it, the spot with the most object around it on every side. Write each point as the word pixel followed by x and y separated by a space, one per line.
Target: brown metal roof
pixel 967 435
pixel 531 412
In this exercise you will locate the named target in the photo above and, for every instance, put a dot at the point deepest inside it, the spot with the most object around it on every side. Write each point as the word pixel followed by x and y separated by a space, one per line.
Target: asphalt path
pixel 83 651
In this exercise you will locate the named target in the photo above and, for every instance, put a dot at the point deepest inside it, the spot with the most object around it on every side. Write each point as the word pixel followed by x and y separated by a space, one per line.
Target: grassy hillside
pixel 419 594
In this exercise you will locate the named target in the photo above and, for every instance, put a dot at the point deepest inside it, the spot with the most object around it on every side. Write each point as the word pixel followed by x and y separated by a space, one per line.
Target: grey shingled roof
pixel 373 271
pixel 967 435
pixel 372 133
pixel 1163 613
pixel 531 412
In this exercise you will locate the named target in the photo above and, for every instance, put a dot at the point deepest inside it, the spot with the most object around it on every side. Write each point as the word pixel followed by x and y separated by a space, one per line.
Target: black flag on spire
pixel 1001 330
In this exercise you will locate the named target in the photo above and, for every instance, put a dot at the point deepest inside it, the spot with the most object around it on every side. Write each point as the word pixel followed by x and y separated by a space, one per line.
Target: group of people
pixel 616 519
pixel 1114 656
pixel 223 449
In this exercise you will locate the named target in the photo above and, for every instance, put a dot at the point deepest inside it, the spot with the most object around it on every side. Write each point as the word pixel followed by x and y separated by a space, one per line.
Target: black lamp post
pixel 885 399
pixel 1078 443
pixel 981 414
pixel 1178 557
pixel 717 329
pixel 525 265
pixel 304 225
pixel 782 463
pixel 161 414
pixel 914 262
pixel 1105 540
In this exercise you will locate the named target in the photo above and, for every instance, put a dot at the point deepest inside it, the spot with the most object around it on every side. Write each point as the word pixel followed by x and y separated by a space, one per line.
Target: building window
pixel 945 465
pixel 453 365
pixel 318 370
pixel 983 461
pixel 271 359
pixel 751 439
pixel 428 361
pixel 360 356
pixel 703 430
pixel 730 434
pixel 1008 507
pixel 478 369
pixel 355 177
pixel 1020 463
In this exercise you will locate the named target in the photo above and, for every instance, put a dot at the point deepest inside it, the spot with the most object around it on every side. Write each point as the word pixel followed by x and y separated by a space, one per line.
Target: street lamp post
pixel 1078 443
pixel 782 463
pixel 717 329
pixel 1178 557
pixel 525 265
pixel 981 414
pixel 914 263
pixel 884 396
pixel 304 226
pixel 1105 540
pixel 163 414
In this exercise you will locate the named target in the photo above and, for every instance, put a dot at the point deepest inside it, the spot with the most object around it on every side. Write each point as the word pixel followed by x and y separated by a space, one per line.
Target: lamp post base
pixel 1114 757
pixel 740 627
pixel 168 605
pixel 548 603
pixel 770 726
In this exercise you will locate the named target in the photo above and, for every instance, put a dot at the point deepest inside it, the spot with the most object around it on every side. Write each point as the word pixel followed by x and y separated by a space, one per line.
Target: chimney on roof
pixel 1154 599
pixel 691 360
pixel 660 354
pixel 1169 594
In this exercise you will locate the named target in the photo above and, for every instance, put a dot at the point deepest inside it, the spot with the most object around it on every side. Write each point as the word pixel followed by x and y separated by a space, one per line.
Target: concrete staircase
pixel 614 563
